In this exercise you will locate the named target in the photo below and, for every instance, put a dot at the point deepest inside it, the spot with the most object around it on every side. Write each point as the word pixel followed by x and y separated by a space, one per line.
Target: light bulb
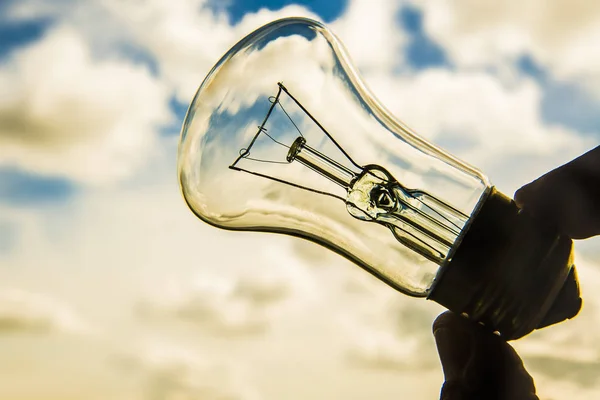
pixel 283 136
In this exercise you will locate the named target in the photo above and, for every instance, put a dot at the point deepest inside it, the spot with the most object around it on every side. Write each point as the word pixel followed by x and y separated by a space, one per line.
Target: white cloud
pixel 369 29
pixel 383 350
pixel 576 340
pixel 74 108
pixel 496 127
pixel 383 341
pixel 186 38
pixel 560 34
pixel 551 388
pixel 26 312
pixel 173 373
pixel 386 330
pixel 241 306
pixel 64 113
pixel 564 359
pixel 474 112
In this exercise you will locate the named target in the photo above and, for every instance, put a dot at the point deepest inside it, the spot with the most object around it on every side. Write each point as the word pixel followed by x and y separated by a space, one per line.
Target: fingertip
pixel 454 343
pixel 523 195
pixel 454 322
pixel 444 320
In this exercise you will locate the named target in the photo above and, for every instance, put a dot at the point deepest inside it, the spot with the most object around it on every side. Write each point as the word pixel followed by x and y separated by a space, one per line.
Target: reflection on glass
pixel 423 223
pixel 282 136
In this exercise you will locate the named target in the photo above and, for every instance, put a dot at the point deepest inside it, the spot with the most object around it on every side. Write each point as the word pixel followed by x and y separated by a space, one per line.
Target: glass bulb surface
pixel 283 136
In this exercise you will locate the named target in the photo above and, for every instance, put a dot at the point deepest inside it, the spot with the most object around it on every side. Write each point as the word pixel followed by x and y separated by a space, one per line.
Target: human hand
pixel 479 365
pixel 567 197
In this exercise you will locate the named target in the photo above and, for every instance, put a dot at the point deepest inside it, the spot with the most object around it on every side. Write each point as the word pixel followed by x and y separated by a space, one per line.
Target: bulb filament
pixel 417 219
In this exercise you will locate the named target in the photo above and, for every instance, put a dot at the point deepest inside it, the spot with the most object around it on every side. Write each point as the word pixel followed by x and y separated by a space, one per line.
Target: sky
pixel 110 288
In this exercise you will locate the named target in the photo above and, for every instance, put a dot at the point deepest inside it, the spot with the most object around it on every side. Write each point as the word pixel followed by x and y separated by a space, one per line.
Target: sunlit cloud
pixel 551 388
pixel 569 353
pixel 66 114
pixel 382 350
pixel 388 332
pixel 23 312
pixel 243 306
pixel 495 127
pixel 372 35
pixel 168 372
pixel 561 34
pixel 186 38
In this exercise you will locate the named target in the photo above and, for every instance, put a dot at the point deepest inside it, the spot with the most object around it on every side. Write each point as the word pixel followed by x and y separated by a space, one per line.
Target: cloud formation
pixel 187 38
pixel 379 50
pixel 32 313
pixel 171 373
pixel 568 353
pixel 240 306
pixel 394 336
pixel 386 330
pixel 65 113
pixel 496 127
pixel 561 34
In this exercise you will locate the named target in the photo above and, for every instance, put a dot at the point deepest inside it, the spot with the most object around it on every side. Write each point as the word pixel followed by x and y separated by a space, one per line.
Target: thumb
pixel 567 197
pixel 478 364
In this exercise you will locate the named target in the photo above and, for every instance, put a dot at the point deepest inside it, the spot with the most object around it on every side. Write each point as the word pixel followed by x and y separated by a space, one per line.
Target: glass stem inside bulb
pixel 320 163
pixel 420 221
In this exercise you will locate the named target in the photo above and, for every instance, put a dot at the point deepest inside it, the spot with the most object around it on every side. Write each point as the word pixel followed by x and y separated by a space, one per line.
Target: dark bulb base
pixel 511 272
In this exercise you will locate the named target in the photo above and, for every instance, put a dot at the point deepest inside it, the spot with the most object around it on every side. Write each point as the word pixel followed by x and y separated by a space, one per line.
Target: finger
pixel 478 364
pixel 568 197
pixel 567 303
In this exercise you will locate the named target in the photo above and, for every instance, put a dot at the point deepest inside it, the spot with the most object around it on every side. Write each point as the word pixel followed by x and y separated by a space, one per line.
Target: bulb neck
pixel 511 272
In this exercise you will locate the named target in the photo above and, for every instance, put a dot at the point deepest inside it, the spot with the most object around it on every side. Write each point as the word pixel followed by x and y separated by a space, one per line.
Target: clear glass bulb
pixel 283 136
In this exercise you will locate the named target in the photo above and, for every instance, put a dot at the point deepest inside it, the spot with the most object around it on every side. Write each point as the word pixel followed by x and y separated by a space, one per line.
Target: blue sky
pixel 20 188
pixel 16 34
pixel 422 51
pixel 237 9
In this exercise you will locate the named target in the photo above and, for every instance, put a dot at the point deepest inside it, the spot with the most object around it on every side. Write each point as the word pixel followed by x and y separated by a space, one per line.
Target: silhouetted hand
pixel 479 365
pixel 568 197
